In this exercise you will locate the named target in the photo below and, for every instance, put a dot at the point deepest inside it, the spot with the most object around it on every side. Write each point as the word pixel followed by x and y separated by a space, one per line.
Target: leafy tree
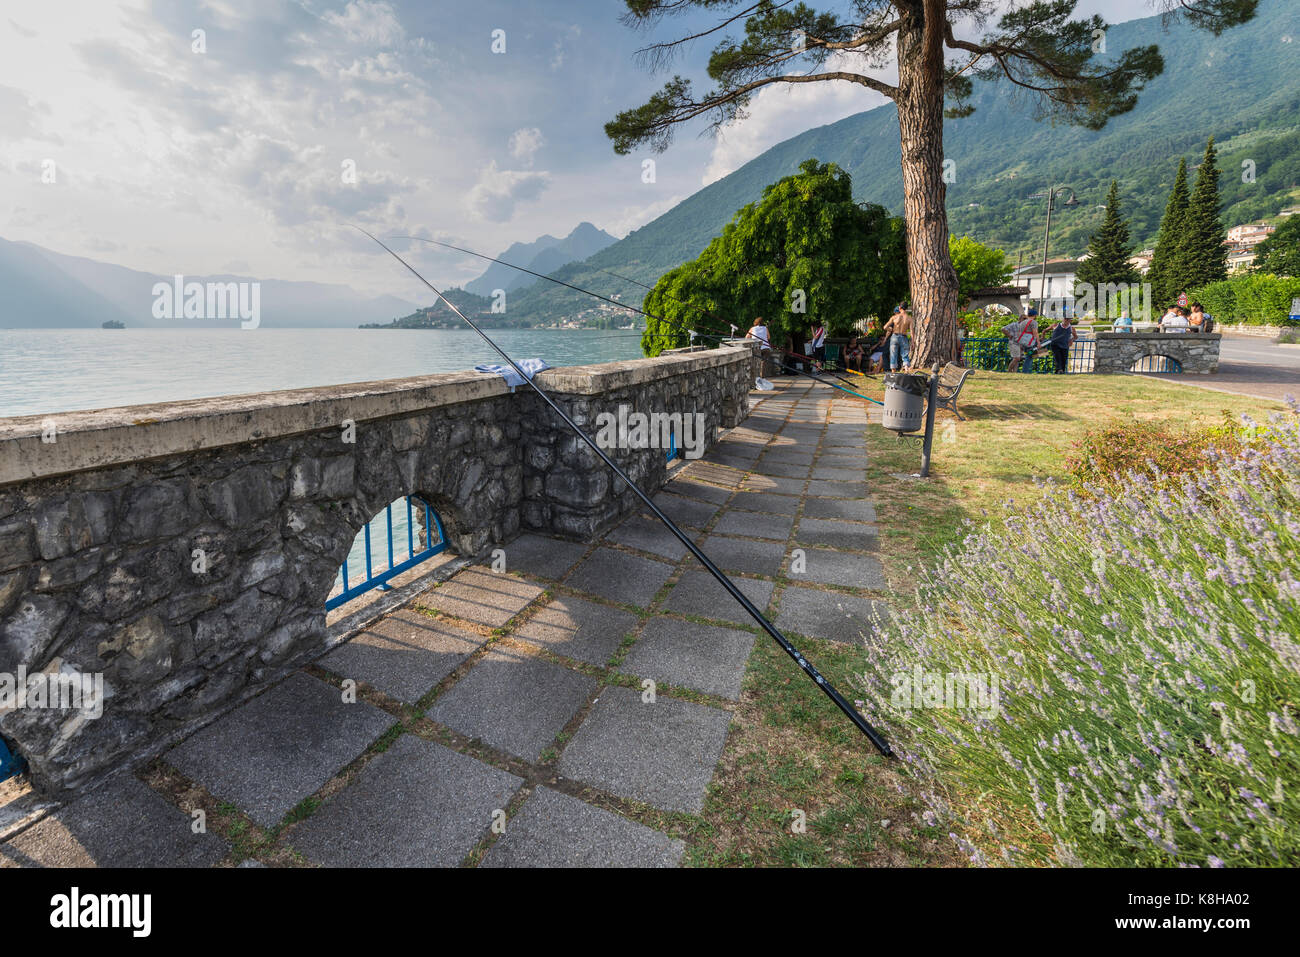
pixel 1109 249
pixel 977 266
pixel 805 252
pixel 937 46
pixel 1280 252
pixel 1160 274
pixel 1202 258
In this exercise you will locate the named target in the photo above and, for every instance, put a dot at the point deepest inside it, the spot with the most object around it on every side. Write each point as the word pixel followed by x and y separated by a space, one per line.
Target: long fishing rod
pixel 849 711
pixel 621 305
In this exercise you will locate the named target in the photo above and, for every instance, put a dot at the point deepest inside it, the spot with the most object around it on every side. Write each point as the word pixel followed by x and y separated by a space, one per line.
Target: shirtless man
pixel 900 324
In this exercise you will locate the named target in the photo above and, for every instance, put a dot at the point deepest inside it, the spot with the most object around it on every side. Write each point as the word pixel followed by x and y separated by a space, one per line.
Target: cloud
pixel 525 143
pixel 369 22
pixel 634 217
pixel 18 117
pixel 783 110
pixel 498 191
pixel 21 30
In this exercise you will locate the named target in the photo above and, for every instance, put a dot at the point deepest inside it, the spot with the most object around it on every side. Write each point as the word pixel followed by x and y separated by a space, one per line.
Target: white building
pixel 1056 295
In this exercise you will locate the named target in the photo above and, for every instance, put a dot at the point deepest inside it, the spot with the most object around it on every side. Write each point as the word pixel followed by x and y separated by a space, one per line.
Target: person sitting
pixel 853 353
pixel 1197 321
pixel 1124 323
pixel 1174 321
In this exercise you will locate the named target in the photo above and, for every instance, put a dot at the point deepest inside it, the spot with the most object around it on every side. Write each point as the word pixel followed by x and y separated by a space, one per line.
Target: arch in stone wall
pixel 1146 359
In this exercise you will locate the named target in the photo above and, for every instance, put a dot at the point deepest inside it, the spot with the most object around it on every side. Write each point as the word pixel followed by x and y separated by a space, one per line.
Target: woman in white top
pixel 1174 321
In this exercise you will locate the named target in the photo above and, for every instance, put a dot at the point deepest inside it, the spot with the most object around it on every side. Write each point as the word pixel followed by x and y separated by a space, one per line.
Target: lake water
pixel 61 370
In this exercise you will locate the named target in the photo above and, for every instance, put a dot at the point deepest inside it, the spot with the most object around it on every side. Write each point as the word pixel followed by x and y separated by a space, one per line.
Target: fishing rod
pixel 623 305
pixel 849 711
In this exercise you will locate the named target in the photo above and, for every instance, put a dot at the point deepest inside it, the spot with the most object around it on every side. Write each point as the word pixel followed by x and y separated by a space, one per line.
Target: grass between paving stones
pixel 1017 432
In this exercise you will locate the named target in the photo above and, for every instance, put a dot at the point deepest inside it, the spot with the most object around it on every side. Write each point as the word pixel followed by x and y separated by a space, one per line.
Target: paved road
pixel 1249 366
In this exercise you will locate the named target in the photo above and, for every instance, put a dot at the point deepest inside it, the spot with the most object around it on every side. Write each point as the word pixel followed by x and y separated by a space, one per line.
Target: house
pixel 1142 261
pixel 1056 295
pixel 1251 234
pixel 1240 257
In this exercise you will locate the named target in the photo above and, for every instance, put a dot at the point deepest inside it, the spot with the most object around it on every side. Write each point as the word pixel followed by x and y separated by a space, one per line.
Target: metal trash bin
pixel 904 401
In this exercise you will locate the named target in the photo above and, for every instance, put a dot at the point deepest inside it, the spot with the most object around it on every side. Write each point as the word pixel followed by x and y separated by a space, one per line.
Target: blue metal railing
pixel 363 551
pixel 11 764
pixel 994 352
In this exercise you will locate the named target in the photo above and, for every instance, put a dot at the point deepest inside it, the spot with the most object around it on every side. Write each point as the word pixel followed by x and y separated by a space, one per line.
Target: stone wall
pixel 184 551
pixel 1117 351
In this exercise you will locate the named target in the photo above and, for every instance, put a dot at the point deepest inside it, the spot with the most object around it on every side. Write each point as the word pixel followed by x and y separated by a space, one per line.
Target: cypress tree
pixel 1202 258
pixel 1168 240
pixel 1108 251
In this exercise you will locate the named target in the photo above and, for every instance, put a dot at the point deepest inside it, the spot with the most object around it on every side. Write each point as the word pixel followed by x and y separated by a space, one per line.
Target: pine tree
pixel 1202 258
pixel 1108 252
pixel 1168 241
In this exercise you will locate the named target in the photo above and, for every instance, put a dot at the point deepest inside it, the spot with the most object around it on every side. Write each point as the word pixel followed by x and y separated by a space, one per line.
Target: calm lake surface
pixel 62 370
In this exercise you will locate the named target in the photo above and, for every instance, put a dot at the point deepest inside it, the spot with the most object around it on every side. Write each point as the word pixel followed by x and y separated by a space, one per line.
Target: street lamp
pixel 1051 195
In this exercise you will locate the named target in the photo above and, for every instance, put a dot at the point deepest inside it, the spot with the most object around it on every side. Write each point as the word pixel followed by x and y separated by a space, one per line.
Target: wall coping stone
pixel 98 438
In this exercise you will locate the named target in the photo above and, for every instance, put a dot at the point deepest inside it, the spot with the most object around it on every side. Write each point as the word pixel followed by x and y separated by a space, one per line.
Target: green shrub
pixel 1107 457
pixel 1253 298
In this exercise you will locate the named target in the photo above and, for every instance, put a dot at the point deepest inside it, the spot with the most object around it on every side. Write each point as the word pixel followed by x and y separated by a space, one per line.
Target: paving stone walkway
pixel 569 711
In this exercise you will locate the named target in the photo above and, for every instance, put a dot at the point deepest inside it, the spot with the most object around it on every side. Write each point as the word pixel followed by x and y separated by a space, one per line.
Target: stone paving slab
pixel 773 484
pixel 703 657
pixel 514 702
pixel 418 804
pixel 403 655
pixel 663 753
pixel 279 748
pixel 755 525
pixel 837 533
pixel 849 569
pixel 841 475
pixel 579 629
pixel 765 502
pixel 832 461
pixel 618 576
pixel 822 614
pixel 648 535
pixel 698 490
pixel 686 512
pixel 792 455
pixel 744 555
pixel 480 596
pixel 781 470
pixel 698 593
pixel 821 488
pixel 122 823
pixel 555 830
pixel 542 556
pixel 853 510
pixel 723 475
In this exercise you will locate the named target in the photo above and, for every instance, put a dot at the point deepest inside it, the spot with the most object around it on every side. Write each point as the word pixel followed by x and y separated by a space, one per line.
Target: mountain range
pixel 45 289
pixel 541 255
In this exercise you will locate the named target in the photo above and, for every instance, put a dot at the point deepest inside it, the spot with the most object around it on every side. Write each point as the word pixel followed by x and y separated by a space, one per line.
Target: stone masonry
pixel 1117 351
pixel 185 550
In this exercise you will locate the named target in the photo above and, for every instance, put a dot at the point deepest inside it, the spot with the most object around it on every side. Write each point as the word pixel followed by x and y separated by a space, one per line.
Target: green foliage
pixel 1160 275
pixel 1279 254
pixel 806 252
pixel 1201 258
pixel 977 266
pixel 1109 249
pixel 1253 298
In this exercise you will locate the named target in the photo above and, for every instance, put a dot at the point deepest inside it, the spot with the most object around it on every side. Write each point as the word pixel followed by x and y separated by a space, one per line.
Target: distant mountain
pixel 44 289
pixel 1242 87
pixel 543 255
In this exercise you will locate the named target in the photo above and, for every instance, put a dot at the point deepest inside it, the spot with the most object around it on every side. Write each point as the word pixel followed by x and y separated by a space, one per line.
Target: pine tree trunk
pixel 920 125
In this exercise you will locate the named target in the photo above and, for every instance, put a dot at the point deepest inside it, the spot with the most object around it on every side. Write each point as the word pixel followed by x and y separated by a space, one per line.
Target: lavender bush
pixel 1140 698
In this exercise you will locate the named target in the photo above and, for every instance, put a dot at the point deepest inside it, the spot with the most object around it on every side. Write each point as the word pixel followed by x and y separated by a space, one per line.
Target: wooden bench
pixel 951 379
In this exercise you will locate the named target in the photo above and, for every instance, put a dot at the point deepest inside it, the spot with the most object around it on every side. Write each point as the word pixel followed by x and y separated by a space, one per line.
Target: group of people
pixel 1178 319
pixel 1025 342
pixel 894 341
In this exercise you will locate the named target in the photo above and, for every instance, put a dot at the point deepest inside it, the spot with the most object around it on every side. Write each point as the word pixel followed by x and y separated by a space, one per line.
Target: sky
pixel 241 136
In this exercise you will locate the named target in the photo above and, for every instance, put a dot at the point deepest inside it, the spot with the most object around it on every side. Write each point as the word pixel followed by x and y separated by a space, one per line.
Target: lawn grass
pixel 1017 433
pixel 789 749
